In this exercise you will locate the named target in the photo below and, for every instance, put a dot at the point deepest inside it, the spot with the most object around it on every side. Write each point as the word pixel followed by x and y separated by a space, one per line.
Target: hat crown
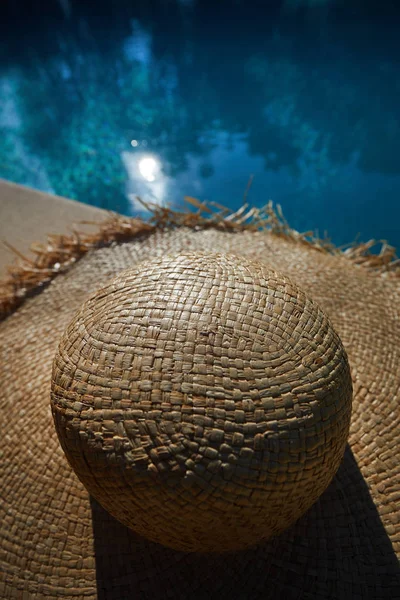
pixel 203 399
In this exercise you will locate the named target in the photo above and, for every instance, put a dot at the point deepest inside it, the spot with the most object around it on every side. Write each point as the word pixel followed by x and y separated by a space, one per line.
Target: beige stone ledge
pixel 28 216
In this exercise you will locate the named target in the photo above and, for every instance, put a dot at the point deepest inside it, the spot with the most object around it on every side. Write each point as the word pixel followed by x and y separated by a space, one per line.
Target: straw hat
pixel 166 303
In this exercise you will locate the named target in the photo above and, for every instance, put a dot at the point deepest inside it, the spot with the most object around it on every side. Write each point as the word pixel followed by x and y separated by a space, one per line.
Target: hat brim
pixel 57 542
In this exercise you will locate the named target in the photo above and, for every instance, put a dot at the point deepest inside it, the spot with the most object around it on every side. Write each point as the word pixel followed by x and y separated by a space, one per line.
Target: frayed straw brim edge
pixel 29 276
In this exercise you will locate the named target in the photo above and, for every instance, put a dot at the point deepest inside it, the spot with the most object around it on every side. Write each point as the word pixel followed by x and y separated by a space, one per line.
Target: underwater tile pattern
pixel 299 97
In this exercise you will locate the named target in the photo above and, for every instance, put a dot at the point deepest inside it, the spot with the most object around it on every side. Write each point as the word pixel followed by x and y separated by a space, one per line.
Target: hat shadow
pixel 338 549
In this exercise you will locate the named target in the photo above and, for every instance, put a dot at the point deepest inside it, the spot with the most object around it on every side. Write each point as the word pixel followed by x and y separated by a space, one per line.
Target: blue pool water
pixel 107 101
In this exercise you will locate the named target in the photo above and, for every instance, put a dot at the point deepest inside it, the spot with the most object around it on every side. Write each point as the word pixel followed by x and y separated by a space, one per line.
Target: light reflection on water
pixel 192 101
pixel 146 179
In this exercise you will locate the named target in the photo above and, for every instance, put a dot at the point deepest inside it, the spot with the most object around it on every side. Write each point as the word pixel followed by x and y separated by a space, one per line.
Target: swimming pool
pixel 103 102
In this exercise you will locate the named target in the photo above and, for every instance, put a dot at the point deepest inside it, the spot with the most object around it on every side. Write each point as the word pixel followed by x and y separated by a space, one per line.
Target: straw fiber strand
pixel 56 256
pixel 56 543
pixel 203 399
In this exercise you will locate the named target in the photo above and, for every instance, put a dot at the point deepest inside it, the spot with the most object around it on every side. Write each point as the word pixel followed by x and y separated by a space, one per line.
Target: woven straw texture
pixel 56 541
pixel 203 400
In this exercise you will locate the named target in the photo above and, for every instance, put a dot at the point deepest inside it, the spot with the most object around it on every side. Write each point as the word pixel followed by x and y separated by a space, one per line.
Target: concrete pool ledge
pixel 28 215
